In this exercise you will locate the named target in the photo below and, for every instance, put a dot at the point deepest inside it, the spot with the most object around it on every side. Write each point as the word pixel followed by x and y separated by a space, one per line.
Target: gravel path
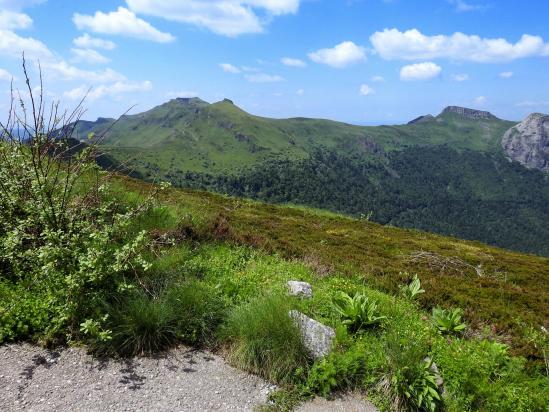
pixel 35 379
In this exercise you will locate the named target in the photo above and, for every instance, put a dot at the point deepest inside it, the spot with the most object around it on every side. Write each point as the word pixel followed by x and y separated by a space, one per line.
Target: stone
pixel 301 289
pixel 317 338
pixel 528 142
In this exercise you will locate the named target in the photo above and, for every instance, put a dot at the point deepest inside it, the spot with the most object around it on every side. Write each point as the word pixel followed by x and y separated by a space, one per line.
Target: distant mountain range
pixel 449 173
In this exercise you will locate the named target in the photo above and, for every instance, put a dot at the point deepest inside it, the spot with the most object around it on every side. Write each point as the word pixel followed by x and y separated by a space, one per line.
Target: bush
pixel 62 240
pixel 357 312
pixel 263 339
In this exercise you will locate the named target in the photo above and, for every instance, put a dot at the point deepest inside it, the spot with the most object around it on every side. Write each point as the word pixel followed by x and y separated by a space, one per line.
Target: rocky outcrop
pixel 469 113
pixel 317 338
pixel 300 289
pixel 528 142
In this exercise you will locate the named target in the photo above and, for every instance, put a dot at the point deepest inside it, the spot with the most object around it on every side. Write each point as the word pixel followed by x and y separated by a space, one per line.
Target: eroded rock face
pixel 317 337
pixel 469 113
pixel 528 142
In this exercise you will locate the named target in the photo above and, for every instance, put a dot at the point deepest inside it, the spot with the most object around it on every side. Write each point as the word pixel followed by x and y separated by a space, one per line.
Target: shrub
pixel 262 338
pixel 412 290
pixel 448 321
pixel 61 239
pixel 357 312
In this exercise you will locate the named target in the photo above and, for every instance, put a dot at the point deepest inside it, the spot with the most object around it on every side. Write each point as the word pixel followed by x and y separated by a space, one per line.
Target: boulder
pixel 317 338
pixel 301 289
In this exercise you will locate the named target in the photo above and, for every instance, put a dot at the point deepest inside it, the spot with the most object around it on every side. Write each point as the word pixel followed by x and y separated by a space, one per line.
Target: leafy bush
pixel 357 312
pixel 62 240
pixel 262 338
pixel 412 290
pixel 448 321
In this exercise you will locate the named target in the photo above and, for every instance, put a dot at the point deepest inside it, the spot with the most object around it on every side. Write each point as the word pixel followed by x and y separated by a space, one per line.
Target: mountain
pixel 447 174
pixel 528 142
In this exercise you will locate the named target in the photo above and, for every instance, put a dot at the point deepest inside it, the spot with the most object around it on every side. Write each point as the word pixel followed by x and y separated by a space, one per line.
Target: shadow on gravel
pixel 46 361
pixel 131 378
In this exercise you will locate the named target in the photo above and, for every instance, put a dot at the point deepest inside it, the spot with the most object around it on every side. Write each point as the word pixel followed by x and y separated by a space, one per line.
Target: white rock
pixel 317 337
pixel 301 289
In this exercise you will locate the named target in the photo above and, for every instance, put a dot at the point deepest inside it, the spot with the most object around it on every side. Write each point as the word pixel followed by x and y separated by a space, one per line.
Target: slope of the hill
pixel 499 288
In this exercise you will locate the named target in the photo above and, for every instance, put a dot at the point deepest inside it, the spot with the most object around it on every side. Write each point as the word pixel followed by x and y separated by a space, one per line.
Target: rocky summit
pixel 469 113
pixel 528 142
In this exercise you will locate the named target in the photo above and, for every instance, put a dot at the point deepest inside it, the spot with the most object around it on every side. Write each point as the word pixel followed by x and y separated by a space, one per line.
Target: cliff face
pixel 469 113
pixel 528 142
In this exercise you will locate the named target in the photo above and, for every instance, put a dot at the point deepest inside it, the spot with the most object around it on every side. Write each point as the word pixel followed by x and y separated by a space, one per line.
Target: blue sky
pixel 359 61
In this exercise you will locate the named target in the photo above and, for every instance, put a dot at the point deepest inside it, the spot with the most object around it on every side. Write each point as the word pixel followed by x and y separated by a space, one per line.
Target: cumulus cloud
pixel 288 61
pixel 89 56
pixel 11 20
pixel 420 71
pixel 366 90
pixel 506 75
pixel 11 44
pixel 263 78
pixel 342 55
pixel 460 77
pixel 88 42
pixel 225 17
pixel 393 44
pixel 378 79
pixel 300 92
pixel 5 75
pixel 66 71
pixel 229 68
pixel 121 22
pixel 113 90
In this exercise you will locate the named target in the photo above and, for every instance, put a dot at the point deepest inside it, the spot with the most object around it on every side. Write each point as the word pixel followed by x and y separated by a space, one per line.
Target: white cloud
pixel 288 61
pixel 263 78
pixel 11 20
pixel 225 17
pixel 112 90
pixel 462 6
pixel 17 5
pixel 300 92
pixel 378 79
pixel 366 90
pixel 11 44
pixel 481 100
pixel 342 55
pixel 88 42
pixel 67 72
pixel 5 75
pixel 89 56
pixel 249 69
pixel 229 68
pixel 121 22
pixel 412 45
pixel 460 77
pixel 506 75
pixel 420 71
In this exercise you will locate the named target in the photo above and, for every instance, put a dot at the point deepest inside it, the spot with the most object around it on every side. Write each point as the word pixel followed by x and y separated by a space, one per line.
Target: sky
pixel 357 61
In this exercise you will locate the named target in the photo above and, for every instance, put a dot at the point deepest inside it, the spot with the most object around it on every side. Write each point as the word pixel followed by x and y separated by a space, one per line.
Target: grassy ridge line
pixel 508 290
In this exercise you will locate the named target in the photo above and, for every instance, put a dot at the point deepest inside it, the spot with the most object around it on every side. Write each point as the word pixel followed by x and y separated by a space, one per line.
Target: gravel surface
pixel 344 403
pixel 183 379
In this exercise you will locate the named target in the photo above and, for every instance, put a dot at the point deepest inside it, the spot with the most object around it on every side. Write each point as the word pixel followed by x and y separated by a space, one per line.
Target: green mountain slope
pixel 446 174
